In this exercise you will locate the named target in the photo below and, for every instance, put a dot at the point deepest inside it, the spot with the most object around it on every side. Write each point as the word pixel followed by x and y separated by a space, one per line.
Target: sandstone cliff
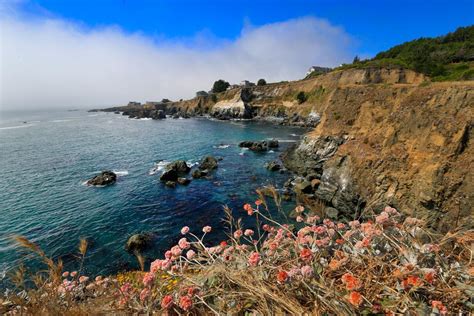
pixel 382 136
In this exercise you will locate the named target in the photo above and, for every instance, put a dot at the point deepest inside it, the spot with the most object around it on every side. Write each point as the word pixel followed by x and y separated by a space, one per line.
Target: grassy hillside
pixel 448 57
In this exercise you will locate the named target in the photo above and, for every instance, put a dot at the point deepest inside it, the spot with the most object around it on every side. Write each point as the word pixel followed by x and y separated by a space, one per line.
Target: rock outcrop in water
pixel 208 163
pixel 105 178
pixel 263 145
pixel 174 170
pixel 138 242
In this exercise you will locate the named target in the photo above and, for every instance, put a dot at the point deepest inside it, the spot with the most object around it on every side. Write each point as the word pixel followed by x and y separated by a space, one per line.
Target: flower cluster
pixel 378 265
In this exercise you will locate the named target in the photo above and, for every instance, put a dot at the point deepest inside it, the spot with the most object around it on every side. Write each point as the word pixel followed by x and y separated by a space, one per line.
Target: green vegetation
pixel 448 57
pixel 301 97
pixel 261 82
pixel 220 86
pixel 380 264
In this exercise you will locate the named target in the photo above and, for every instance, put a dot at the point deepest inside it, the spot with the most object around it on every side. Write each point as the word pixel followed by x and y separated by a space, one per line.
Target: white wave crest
pixel 221 146
pixel 17 126
pixel 159 166
pixel 287 140
pixel 121 173
pixel 60 121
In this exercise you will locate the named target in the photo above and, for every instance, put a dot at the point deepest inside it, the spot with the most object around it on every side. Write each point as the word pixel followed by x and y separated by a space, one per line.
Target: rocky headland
pixel 382 136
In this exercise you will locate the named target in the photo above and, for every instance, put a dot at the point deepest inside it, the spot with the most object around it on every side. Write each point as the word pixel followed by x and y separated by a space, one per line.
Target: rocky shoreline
pixel 380 137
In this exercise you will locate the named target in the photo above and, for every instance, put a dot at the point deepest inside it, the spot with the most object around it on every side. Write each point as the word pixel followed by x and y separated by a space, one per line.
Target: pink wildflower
pixel 319 229
pixel 176 251
pixel 167 302
pixel 273 246
pixel 382 218
pixel 322 242
pixel 391 211
pixel 312 219
pixel 144 294
pixel 306 254
pixel 238 234
pixel 155 266
pixel 148 279
pixel 166 264
pixel 248 232
pixel 341 225
pixel 306 271
pixel 299 219
pixel 266 227
pixel 184 230
pixel 83 279
pixel 125 288
pixel 65 274
pixel 207 229
pixel 73 273
pixel 329 223
pixel 354 224
pixel 183 243
pixel 190 254
pixel 258 202
pixel 254 258
pixel 185 302
pixel 299 209
pixel 249 209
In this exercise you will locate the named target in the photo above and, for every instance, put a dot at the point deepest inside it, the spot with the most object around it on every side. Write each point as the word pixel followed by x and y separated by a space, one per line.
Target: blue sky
pixel 376 25
pixel 70 53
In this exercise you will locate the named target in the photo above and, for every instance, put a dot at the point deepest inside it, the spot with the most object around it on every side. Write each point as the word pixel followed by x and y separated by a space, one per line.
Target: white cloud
pixel 49 62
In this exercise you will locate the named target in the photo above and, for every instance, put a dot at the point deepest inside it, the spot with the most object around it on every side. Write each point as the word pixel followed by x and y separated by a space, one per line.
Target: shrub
pixel 430 56
pixel 220 86
pixel 301 97
pixel 385 265
pixel 261 82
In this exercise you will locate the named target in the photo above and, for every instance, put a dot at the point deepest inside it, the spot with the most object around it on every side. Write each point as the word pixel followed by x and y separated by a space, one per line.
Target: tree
pixel 261 82
pixel 356 60
pixel 220 86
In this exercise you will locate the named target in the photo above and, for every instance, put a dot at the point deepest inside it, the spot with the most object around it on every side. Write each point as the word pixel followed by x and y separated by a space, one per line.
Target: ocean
pixel 46 157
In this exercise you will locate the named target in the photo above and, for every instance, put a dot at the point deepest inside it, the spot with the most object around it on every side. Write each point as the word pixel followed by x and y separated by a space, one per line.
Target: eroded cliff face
pixel 405 145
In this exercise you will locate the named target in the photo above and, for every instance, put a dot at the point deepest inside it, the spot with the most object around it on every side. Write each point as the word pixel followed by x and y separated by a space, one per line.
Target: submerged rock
pixel 170 184
pixel 273 166
pixel 184 181
pixel 197 174
pixel 105 178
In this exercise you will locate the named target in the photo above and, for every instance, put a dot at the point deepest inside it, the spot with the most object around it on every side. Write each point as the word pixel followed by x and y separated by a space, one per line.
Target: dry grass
pixel 390 265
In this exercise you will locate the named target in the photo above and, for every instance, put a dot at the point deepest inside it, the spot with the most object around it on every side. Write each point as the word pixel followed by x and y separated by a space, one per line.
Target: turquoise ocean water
pixel 45 162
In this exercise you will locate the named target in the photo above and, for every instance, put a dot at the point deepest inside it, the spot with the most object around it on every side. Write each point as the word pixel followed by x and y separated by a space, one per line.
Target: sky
pixel 97 53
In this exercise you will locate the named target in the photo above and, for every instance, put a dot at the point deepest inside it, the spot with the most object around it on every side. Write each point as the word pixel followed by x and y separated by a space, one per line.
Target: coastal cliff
pixel 381 136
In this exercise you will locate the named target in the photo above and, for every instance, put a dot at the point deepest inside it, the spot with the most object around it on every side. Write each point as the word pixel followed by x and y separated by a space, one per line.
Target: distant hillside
pixel 448 57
